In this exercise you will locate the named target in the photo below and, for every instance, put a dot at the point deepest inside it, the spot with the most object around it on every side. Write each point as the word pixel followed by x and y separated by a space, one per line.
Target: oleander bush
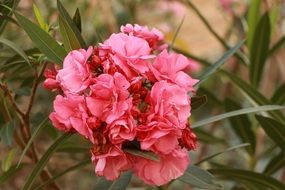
pixel 109 95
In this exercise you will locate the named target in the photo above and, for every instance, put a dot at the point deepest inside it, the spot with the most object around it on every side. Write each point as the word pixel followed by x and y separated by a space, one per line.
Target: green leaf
pixel 241 125
pixel 227 150
pixel 211 97
pixel 198 101
pixel 213 68
pixel 119 184
pixel 43 161
pixel 274 130
pixel 11 4
pixel 259 49
pixel 279 95
pixel 209 138
pixel 34 135
pixel 40 18
pixel 7 162
pixel 253 94
pixel 6 133
pixel 144 154
pixel 277 46
pixel 13 170
pixel 73 28
pixel 15 47
pixel 275 164
pixel 248 176
pixel 197 177
pixel 42 40
pixel 252 19
pixel 56 176
pixel 70 41
pixel 176 33
pixel 236 113
pixel 77 19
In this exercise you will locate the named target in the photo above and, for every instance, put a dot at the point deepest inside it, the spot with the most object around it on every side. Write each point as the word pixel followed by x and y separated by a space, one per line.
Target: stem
pixel 34 88
pixel 6 91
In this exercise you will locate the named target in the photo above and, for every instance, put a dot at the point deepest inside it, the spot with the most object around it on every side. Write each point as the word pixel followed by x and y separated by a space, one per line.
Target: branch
pixel 7 92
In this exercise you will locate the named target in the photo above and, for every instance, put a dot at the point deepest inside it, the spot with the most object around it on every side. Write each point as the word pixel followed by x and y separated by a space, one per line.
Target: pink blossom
pixel 171 67
pixel 170 166
pixel 159 136
pixel 171 102
pixel 129 53
pixel 153 37
pixel 109 163
pixel 50 83
pixel 74 77
pixel 122 129
pixel 189 139
pixel 227 5
pixel 70 114
pixel 109 98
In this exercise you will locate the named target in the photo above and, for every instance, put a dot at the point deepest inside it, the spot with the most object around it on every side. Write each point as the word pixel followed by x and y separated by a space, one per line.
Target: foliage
pixel 234 112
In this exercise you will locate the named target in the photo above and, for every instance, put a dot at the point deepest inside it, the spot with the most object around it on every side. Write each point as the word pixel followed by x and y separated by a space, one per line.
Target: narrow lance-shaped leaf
pixel 248 176
pixel 277 46
pixel 241 125
pixel 279 95
pixel 176 33
pixel 12 171
pixel 43 161
pixel 56 176
pixel 274 129
pixel 119 184
pixel 6 133
pixel 259 49
pixel 11 4
pixel 198 101
pixel 208 138
pixel 275 164
pixel 252 19
pixel 15 47
pixel 40 18
pixel 204 76
pixel 73 28
pixel 144 154
pixel 227 150
pixel 70 41
pixel 253 95
pixel 7 162
pixel 42 40
pixel 197 177
pixel 77 19
pixel 34 135
pixel 236 113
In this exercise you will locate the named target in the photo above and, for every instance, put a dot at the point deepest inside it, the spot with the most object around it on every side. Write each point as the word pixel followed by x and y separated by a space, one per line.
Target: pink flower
pixel 159 136
pixel 170 67
pixel 189 139
pixel 170 166
pixel 153 37
pixel 122 129
pixel 109 163
pixel 70 113
pixel 227 6
pixel 50 83
pixel 109 98
pixel 74 77
pixel 171 102
pixel 129 53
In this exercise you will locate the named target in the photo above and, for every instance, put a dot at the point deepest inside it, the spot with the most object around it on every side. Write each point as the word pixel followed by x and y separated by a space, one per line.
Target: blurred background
pixel 100 18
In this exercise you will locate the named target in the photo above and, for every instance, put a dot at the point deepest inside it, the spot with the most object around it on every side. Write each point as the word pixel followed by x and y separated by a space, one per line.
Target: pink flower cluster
pixel 127 93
